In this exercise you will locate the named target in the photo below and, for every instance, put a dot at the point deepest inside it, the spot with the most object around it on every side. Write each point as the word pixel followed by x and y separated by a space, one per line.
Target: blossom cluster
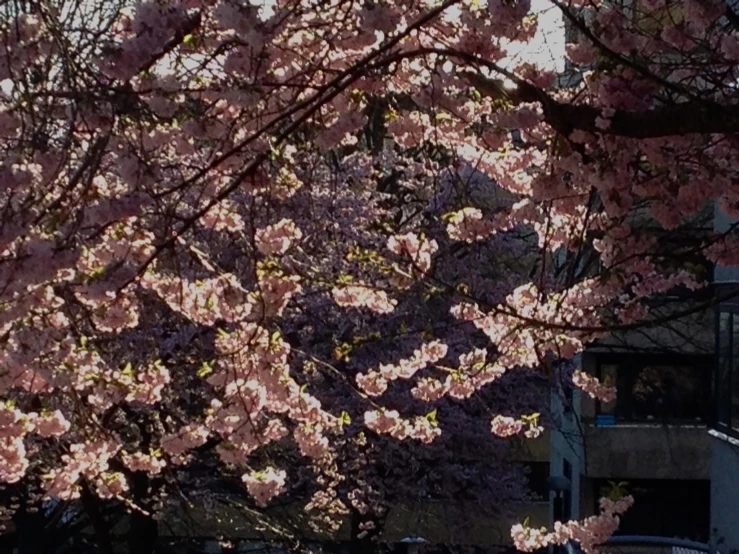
pixel 375 382
pixel 265 485
pixel 589 532
pixel 593 387
pixel 364 296
pixel 418 249
pixel 504 426
pixel 389 422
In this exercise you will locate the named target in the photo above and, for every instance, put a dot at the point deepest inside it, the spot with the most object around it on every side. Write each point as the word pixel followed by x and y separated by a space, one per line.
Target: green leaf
pixel 205 369
pixel 95 274
pixel 346 418
pixel 462 288
pixel 432 418
pixel 343 351
pixel 452 217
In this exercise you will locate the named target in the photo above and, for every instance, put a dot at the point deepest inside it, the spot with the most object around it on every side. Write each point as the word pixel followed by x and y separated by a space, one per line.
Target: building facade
pixel 652 442
pixel 671 439
pixel 724 432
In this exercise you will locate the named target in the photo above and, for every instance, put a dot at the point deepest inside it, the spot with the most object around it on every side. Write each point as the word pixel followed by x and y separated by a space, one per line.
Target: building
pixel 653 441
pixel 672 437
pixel 724 432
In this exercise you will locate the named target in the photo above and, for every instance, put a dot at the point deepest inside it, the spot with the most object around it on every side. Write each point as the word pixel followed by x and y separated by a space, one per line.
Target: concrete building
pixel 724 432
pixel 652 442
pixel 672 437
pixel 668 439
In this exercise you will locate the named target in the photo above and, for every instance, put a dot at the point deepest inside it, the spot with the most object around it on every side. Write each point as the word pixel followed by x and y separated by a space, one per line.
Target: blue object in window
pixel 605 420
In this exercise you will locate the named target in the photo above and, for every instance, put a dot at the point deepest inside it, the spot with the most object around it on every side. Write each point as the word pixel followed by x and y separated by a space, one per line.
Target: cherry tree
pixel 218 219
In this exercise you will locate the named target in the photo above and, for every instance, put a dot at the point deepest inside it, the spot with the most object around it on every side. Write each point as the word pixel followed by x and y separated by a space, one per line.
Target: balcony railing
pixel 639 544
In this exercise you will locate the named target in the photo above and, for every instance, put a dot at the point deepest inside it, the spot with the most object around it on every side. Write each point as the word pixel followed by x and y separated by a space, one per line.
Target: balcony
pixel 656 428
pixel 648 451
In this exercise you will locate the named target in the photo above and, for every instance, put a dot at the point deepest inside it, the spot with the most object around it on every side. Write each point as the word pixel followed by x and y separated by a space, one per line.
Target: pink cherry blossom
pixel 276 239
pixel 504 426
pixel 244 191
pixel 264 485
pixel 363 297
pixel 419 250
pixel 593 387
pixel 51 425
pixel 589 532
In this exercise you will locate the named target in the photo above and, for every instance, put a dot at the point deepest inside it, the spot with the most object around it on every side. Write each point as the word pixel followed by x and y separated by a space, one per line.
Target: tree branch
pixel 693 116
pixel 189 27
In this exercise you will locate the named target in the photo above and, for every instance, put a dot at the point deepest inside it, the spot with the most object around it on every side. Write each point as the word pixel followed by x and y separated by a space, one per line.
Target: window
pixel 663 507
pixel 659 388
pixel 567 496
pixel 537 474
pixel 679 250
pixel 726 384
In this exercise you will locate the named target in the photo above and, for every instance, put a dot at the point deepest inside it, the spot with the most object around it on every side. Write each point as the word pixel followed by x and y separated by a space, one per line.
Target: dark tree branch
pixel 190 26
pixel 693 116
pixel 675 120
pixel 91 504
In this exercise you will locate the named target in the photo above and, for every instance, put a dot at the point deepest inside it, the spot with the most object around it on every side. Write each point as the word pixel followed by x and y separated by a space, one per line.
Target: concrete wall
pixel 725 450
pixel 725 493
pixel 566 444
pixel 643 451
pixel 691 334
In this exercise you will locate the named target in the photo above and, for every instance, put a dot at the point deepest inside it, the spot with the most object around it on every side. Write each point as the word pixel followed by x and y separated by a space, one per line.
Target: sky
pixel 546 50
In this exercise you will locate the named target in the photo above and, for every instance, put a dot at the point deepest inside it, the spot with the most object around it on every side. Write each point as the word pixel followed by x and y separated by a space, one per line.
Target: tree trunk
pixel 30 537
pixel 364 544
pixel 102 531
pixel 143 530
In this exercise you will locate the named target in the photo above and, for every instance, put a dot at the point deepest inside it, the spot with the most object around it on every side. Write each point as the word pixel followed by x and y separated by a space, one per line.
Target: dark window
pixel 657 388
pixel 538 478
pixel 726 385
pixel 680 250
pixel 569 399
pixel 664 508
pixel 567 495
pixel 723 377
